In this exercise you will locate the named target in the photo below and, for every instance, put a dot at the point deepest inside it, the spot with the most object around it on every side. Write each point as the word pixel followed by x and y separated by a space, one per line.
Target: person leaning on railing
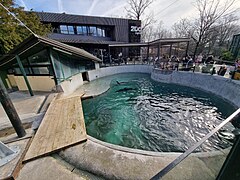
pixel 237 65
pixel 236 73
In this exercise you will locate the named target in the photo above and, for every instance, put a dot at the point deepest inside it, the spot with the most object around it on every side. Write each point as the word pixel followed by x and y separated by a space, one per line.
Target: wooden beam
pixel 11 111
pixel 24 75
pixel 52 65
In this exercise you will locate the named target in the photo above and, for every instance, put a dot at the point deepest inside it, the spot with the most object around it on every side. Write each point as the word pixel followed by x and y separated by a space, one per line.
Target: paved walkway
pixel 26 106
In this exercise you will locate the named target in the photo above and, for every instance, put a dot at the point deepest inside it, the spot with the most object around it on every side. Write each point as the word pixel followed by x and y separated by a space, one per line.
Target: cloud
pixel 22 4
pixel 115 9
pixel 92 7
pixel 60 6
pixel 161 9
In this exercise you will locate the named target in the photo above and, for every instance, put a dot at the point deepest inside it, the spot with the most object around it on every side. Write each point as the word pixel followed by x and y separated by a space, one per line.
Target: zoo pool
pixel 137 112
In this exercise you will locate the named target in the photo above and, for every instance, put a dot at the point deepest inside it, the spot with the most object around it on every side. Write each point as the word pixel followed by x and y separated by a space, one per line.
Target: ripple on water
pixel 144 114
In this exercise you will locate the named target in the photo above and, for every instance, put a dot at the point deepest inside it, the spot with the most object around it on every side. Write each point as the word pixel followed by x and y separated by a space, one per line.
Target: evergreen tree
pixel 12 32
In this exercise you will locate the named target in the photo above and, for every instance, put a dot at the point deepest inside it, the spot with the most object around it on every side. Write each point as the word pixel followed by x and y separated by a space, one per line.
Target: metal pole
pixel 148 55
pixel 170 51
pixel 11 111
pixel 24 75
pixel 52 65
pixel 187 49
pixel 158 52
pixel 109 54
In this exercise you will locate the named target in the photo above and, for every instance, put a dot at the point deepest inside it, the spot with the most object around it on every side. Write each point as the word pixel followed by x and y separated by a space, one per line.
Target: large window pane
pixel 80 30
pixel 63 29
pixel 93 31
pixel 70 30
pixel 40 58
pixel 84 28
pixel 17 71
pixel 103 32
pixel 40 70
pixel 99 31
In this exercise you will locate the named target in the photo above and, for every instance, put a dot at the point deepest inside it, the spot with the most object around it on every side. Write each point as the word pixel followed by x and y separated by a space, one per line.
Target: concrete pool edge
pixel 127 163
pixel 154 153
pixel 218 85
pixel 223 87
pixel 112 162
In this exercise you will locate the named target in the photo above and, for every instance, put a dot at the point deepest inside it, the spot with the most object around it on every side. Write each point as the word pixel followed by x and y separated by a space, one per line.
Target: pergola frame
pixel 156 43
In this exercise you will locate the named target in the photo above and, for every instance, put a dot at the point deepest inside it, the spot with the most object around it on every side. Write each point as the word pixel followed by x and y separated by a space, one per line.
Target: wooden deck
pixel 62 126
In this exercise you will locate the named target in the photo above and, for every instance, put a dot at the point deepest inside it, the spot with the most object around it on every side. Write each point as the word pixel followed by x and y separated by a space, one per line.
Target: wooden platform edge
pixel 19 164
pixel 55 151
pixel 55 100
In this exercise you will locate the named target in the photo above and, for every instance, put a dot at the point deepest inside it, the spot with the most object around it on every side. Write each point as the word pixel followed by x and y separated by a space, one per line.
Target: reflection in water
pixel 149 115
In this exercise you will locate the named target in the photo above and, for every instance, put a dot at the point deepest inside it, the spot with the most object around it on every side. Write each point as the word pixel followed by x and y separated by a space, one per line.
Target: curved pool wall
pixel 72 84
pixel 225 88
pixel 102 152
pixel 107 71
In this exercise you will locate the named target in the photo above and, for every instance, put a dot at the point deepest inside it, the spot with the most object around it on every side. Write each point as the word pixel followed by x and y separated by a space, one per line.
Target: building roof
pixel 48 17
pixel 128 45
pixel 73 38
pixel 165 41
pixel 34 40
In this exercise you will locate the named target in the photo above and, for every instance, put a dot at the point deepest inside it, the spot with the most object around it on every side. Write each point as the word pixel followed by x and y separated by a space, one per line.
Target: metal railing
pixel 180 158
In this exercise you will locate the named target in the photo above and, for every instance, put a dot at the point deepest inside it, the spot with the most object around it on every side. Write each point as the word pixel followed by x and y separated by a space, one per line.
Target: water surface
pixel 138 112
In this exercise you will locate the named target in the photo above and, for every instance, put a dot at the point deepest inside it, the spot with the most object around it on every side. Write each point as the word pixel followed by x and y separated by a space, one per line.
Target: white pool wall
pixel 224 87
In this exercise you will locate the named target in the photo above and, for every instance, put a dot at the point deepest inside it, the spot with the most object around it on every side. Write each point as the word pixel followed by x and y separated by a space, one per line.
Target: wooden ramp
pixel 62 126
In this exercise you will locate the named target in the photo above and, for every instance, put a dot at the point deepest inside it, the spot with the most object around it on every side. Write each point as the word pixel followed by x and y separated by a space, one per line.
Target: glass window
pixel 99 31
pixel 92 31
pixel 70 30
pixel 24 62
pixel 18 71
pixel 84 28
pixel 103 32
pixel 79 30
pixel 40 70
pixel 63 29
pixel 40 58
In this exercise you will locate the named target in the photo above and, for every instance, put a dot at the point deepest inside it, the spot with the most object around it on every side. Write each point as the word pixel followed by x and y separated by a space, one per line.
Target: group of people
pixel 166 62
pixel 237 65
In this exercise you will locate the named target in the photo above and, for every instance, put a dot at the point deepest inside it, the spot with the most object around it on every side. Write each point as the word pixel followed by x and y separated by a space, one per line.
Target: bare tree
pixel 183 28
pixel 148 33
pixel 162 32
pixel 226 28
pixel 136 8
pixel 156 31
pixel 210 11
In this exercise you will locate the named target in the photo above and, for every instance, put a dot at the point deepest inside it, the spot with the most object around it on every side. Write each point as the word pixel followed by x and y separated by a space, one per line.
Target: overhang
pixel 35 40
pixel 163 42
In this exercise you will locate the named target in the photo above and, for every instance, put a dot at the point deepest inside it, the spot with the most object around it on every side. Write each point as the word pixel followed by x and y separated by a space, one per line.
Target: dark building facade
pixel 235 46
pixel 93 34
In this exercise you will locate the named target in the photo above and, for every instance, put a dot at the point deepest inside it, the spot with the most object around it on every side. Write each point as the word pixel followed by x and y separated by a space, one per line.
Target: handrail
pixel 195 146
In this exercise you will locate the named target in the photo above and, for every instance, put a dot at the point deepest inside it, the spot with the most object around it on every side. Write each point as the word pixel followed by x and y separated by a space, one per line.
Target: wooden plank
pixel 62 126
pixel 11 169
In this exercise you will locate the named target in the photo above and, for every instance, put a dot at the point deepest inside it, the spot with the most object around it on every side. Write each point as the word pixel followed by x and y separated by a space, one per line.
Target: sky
pixel 167 11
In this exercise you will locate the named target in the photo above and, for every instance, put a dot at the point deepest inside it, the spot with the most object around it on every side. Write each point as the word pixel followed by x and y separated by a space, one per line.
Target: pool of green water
pixel 140 113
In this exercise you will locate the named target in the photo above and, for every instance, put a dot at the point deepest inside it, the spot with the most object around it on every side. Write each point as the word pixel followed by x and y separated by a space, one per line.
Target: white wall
pixel 71 84
pixel 102 72
pixel 37 83
pixel 224 87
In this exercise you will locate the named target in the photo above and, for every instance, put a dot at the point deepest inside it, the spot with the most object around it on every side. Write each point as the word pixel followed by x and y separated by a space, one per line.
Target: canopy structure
pixel 34 43
pixel 42 60
pixel 169 43
pixel 165 41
